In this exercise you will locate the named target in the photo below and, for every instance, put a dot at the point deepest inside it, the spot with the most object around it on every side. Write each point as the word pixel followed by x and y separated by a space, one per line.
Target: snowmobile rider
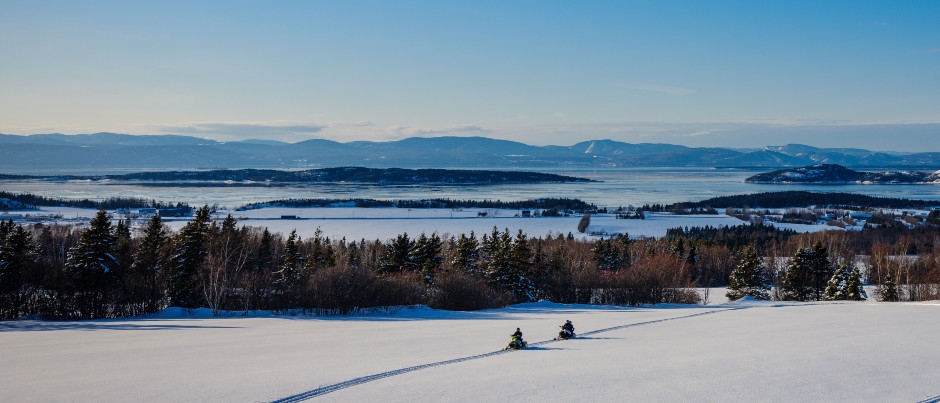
pixel 568 326
pixel 517 334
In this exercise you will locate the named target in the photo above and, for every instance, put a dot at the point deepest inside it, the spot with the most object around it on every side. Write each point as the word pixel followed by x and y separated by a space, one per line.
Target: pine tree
pixel 520 263
pixel 808 274
pixel 467 254
pixel 607 255
pixel 821 269
pixel 149 262
pixel 15 255
pixel 321 254
pixel 747 279
pixel 291 270
pixel 889 290
pixel 845 285
pixel 426 256
pixel 191 248
pixel 797 282
pixel 90 263
pixel 395 256
pixel 261 268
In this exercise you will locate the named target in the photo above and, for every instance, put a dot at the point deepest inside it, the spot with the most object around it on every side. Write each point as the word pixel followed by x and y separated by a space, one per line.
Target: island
pixel 838 174
pixel 380 176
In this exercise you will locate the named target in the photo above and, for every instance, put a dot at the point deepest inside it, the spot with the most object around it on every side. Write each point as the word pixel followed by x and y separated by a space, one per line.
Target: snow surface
pixel 742 351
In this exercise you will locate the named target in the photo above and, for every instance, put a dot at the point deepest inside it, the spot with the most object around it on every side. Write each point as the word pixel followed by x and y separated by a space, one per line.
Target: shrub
pixel 457 291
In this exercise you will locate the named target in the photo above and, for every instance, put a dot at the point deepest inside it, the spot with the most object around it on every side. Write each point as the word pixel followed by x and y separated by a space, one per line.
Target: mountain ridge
pixel 114 151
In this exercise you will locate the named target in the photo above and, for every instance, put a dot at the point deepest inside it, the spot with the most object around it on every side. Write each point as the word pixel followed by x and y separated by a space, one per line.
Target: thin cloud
pixel 704 132
pixel 934 50
pixel 245 130
pixel 406 131
pixel 656 88
pixel 352 124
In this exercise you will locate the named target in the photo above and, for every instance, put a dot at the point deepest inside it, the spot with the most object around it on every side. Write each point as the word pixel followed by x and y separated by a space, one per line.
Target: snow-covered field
pixel 744 351
pixel 386 223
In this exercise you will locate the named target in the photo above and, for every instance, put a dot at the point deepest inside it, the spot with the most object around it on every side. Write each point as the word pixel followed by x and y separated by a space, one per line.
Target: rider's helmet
pixel 517 329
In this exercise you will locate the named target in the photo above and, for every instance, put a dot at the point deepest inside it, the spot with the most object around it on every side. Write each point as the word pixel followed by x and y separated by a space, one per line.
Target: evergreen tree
pixel 426 256
pixel 467 255
pixel 191 249
pixel 805 273
pixel 889 290
pixel 16 253
pixel 497 247
pixel 845 285
pixel 149 263
pixel 607 255
pixel 291 271
pixel 747 279
pixel 321 253
pixel 821 269
pixel 395 256
pixel 797 282
pixel 520 263
pixel 353 257
pixel 508 264
pixel 262 264
pixel 90 263
pixel 691 257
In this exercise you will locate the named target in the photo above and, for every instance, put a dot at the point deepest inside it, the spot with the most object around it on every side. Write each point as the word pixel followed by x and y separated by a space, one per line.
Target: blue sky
pixel 699 73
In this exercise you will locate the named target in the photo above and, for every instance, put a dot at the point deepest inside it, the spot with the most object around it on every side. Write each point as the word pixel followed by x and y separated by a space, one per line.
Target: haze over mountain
pixel 112 151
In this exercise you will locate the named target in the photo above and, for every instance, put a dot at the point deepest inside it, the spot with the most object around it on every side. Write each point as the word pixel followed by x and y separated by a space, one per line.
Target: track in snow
pixel 369 378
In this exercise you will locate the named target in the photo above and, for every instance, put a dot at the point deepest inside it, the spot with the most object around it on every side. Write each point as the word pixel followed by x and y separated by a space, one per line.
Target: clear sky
pixel 700 73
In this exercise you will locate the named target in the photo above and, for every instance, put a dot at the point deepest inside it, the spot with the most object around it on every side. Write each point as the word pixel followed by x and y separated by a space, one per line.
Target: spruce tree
pixel 747 279
pixel 16 253
pixel 395 255
pixel 426 256
pixel 191 249
pixel 798 280
pixel 90 262
pixel 889 290
pixel 149 263
pixel 520 263
pixel 845 285
pixel 821 269
pixel 291 270
pixel 467 255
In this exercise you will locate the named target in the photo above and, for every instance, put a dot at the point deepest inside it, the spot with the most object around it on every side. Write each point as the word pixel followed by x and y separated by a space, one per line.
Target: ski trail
pixel 369 378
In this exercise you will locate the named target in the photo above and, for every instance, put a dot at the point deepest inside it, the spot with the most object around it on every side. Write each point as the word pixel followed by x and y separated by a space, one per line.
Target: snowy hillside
pixel 746 351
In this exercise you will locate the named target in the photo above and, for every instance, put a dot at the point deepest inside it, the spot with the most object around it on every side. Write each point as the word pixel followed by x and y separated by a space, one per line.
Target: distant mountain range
pixel 111 151
pixel 837 174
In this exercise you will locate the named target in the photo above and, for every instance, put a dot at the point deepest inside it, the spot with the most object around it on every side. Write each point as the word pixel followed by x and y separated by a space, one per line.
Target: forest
pixel 107 270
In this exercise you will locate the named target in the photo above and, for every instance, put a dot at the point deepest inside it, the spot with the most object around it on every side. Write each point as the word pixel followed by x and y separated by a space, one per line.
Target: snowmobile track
pixel 369 378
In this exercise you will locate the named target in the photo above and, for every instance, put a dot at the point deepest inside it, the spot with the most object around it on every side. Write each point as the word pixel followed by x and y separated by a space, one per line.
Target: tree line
pixel 108 269
pixel 786 199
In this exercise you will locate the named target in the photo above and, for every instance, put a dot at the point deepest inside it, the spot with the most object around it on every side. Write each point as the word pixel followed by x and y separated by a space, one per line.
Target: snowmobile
pixel 565 334
pixel 516 343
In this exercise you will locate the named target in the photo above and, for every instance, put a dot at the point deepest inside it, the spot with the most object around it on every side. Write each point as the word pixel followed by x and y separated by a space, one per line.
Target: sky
pixel 719 73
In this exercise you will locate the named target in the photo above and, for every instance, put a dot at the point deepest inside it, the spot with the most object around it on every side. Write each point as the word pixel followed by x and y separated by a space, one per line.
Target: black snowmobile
pixel 567 331
pixel 565 334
